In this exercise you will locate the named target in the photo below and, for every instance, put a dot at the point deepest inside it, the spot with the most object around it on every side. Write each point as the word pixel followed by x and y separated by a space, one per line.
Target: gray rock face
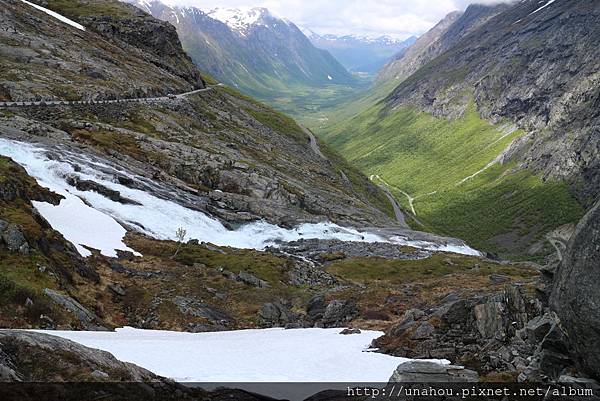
pixel 252 280
pixel 338 313
pixel 199 309
pixel 316 308
pixel 323 251
pixel 575 296
pixel 88 319
pixel 310 275
pixel 423 372
pixel 43 347
pixel 276 314
pixel 423 332
pixel 156 37
pixel 488 317
pixel 13 238
pixel 489 332
pixel 347 332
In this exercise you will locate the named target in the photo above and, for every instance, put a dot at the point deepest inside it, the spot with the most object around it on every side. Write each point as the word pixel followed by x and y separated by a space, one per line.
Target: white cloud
pixel 399 18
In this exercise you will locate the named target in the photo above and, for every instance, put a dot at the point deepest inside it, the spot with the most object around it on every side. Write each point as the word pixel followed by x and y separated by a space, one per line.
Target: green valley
pixel 450 172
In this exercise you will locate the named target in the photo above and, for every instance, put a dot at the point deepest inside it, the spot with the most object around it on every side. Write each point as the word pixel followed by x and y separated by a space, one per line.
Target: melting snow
pixel 56 15
pixel 90 227
pixel 267 355
pixel 76 221
pixel 96 219
pixel 431 246
pixel 87 218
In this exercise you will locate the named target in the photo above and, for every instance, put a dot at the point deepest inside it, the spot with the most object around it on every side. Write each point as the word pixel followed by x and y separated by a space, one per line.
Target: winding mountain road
pixel 314 145
pixel 42 103
pixel 397 210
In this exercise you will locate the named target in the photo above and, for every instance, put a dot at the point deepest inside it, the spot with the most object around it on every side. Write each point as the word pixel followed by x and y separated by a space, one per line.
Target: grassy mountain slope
pixel 445 166
pixel 473 162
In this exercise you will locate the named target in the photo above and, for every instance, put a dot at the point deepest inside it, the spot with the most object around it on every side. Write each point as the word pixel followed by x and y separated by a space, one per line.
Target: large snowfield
pixel 89 219
pixel 247 356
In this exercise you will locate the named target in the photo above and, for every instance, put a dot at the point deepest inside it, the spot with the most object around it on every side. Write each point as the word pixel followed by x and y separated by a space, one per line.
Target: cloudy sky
pixel 399 18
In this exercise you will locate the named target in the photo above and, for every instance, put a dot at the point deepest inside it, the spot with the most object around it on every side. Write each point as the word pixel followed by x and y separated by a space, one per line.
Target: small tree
pixel 180 234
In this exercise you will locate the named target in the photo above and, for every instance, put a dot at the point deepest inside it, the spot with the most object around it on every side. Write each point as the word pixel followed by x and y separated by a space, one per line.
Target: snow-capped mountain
pixel 250 48
pixel 243 19
pixel 358 53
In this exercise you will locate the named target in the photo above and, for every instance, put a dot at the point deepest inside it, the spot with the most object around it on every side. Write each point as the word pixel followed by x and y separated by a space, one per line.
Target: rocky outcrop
pixel 337 313
pixel 504 332
pixel 156 37
pixel 199 309
pixel 430 372
pixel 27 356
pixel 575 296
pixel 88 320
pixel 158 66
pixel 13 238
pixel 246 278
pixel 323 251
pixel 277 314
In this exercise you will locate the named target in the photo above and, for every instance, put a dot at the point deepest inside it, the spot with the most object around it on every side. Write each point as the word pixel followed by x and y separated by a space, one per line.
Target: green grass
pixel 374 270
pixel 345 109
pixel 80 9
pixel 307 103
pixel 417 152
pixel 500 210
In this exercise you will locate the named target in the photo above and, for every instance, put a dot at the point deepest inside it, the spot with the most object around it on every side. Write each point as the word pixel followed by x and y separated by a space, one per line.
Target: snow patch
pixel 77 222
pixel 87 218
pixel 248 356
pixel 96 223
pixel 90 228
pixel 432 246
pixel 544 6
pixel 56 15
pixel 239 19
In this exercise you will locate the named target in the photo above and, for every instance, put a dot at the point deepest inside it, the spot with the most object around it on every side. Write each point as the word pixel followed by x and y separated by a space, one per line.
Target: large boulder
pixel 13 237
pixel 276 314
pixel 576 296
pixel 482 331
pixel 29 356
pixel 429 372
pixel 338 313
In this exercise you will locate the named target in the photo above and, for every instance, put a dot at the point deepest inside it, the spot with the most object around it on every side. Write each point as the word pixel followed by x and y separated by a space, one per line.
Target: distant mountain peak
pixel 379 39
pixel 241 19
